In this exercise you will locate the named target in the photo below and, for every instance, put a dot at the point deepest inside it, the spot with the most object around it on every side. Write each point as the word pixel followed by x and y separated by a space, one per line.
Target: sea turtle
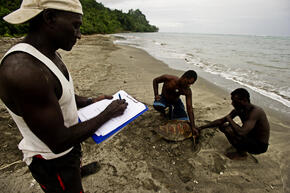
pixel 175 130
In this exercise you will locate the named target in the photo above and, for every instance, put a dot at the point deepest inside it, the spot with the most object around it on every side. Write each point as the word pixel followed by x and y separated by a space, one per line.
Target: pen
pixel 120 97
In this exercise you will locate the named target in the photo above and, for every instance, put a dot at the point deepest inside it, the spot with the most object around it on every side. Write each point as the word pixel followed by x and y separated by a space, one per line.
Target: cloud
pixel 209 16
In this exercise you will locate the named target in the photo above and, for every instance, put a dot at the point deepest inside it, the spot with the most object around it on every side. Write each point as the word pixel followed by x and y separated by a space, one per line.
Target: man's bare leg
pixel 233 139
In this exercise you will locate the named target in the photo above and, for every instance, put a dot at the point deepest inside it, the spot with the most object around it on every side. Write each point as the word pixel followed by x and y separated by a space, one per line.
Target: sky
pixel 247 17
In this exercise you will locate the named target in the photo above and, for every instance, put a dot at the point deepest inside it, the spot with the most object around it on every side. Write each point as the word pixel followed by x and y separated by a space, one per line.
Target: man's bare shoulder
pixel 257 112
pixel 165 78
pixel 19 58
pixel 187 91
pixel 170 77
pixel 20 70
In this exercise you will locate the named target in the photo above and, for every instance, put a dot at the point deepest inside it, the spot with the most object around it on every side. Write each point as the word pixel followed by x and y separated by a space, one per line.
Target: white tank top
pixel 31 145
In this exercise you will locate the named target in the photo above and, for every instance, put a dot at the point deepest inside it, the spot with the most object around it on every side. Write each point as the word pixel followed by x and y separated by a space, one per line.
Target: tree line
pixel 96 19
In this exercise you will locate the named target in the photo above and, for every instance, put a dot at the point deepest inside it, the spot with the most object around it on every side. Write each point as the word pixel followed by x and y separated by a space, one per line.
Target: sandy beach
pixel 137 159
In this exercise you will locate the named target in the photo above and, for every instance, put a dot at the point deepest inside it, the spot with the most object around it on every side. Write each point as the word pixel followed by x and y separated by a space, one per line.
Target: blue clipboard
pixel 88 112
pixel 99 139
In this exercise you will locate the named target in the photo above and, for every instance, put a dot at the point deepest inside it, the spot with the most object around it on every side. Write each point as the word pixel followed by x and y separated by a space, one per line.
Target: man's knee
pixel 159 105
pixel 232 137
pixel 225 128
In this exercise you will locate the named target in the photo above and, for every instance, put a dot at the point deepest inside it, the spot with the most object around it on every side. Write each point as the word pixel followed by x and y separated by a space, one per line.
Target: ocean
pixel 261 64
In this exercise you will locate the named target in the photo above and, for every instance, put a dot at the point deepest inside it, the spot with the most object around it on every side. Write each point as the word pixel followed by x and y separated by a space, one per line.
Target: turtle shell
pixel 175 130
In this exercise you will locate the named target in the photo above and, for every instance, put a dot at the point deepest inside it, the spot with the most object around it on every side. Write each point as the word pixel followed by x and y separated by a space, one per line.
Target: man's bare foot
pixel 163 114
pixel 230 149
pixel 237 155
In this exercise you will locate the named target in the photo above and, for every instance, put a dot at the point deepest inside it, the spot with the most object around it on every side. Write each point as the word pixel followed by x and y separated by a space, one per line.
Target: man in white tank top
pixel 38 92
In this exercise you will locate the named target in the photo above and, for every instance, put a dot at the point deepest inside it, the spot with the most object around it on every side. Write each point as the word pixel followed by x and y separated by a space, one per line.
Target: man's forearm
pixel 191 119
pixel 190 114
pixel 155 88
pixel 156 91
pixel 214 123
pixel 79 132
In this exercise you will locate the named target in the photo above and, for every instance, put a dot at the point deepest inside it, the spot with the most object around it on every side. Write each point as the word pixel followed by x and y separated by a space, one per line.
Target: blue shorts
pixel 176 110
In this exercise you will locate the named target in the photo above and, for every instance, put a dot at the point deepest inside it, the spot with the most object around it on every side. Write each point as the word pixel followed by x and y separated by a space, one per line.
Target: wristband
pixel 89 100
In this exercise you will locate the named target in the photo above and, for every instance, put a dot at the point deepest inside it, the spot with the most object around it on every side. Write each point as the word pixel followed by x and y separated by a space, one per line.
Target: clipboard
pixel 114 125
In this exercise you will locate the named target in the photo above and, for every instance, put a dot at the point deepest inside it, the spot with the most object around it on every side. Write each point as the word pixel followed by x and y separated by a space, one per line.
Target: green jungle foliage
pixel 96 19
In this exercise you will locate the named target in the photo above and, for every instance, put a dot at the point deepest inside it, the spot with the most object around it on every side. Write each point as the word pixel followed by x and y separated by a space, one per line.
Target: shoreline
pixel 272 105
pixel 136 159
pixel 278 118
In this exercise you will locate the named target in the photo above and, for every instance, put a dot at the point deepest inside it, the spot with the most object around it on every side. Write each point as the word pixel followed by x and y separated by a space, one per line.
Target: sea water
pixel 261 64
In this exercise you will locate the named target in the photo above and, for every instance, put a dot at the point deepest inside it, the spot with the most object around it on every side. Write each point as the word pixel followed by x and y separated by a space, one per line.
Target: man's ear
pixel 49 17
pixel 244 100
